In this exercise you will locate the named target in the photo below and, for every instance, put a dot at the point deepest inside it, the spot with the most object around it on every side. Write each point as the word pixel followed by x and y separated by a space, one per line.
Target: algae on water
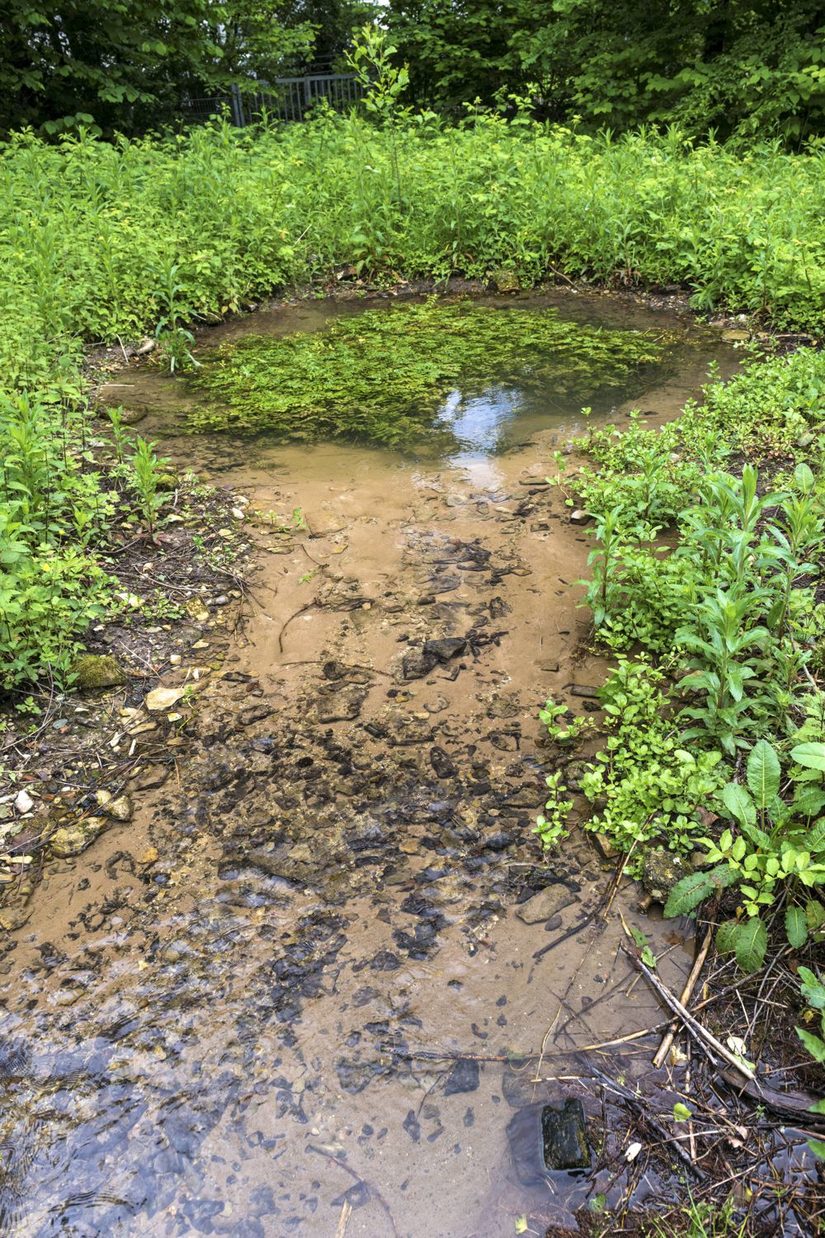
pixel 380 376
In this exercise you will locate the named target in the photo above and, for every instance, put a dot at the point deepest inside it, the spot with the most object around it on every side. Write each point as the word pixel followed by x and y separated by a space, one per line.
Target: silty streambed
pixel 226 1017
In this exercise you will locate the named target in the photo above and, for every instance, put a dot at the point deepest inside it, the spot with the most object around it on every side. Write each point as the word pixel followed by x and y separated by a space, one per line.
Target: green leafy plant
pixel 772 842
pixel 147 475
pixel 551 825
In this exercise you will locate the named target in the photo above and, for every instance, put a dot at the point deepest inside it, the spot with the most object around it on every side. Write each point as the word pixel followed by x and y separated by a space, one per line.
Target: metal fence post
pixel 237 107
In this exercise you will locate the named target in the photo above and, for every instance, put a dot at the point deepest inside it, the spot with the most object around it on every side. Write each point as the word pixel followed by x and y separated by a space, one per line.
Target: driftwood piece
pixel 792 1105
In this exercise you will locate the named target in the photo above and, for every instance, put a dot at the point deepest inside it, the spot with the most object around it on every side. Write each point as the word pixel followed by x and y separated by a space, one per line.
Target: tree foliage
pixel 127 64
pixel 752 67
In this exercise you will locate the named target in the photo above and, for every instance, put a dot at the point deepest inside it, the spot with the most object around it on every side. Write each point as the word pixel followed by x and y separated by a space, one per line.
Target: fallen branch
pixel 686 994
pixel 703 1037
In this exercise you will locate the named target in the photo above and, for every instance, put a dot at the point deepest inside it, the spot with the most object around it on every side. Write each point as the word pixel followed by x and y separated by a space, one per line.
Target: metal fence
pixel 287 98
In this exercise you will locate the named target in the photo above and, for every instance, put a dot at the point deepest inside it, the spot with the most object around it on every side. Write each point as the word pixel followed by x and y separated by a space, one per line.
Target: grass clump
pixel 381 376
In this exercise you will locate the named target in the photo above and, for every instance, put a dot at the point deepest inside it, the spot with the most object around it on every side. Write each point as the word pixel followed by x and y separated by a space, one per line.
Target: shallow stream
pixel 292 995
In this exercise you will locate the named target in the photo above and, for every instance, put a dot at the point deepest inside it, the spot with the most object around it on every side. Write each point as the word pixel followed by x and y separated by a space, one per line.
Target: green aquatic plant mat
pixel 381 376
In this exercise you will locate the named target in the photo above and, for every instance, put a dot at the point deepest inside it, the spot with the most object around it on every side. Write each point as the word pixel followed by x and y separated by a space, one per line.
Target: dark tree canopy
pixel 752 67
pixel 126 64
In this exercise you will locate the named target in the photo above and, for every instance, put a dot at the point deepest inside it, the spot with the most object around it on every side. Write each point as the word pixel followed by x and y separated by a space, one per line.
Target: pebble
pixel 23 802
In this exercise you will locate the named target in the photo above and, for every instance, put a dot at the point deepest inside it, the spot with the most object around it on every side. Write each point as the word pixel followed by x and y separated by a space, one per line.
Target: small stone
pixel 547 903
pixel 70 840
pixel 93 671
pixel 579 516
pixel 162 698
pixel 463 1077
pixel 120 809
pixel 662 869
pixel 23 802
pixel 605 846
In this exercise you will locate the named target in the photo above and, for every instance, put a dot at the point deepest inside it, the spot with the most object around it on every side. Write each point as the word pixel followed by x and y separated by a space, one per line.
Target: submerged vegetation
pixel 381 376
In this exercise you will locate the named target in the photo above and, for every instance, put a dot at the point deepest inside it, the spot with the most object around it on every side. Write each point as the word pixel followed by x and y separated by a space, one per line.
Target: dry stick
pixel 341 1228
pixel 373 1190
pixel 686 994
pixel 707 1041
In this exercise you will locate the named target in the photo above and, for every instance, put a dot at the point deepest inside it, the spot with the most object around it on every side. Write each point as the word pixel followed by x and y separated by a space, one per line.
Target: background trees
pixel 750 67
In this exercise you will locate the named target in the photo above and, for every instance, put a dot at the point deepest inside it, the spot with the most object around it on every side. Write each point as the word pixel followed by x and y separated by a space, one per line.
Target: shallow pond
pixel 242 1012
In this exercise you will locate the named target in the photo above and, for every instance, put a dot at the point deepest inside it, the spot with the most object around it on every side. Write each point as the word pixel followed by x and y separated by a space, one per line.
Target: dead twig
pixel 362 1182
pixel 684 997
pixel 712 1047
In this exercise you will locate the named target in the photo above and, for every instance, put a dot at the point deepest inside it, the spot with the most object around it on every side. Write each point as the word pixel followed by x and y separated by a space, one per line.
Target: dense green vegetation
pixel 752 69
pixel 714 713
pixel 748 68
pixel 336 383
pixel 131 66
pixel 106 241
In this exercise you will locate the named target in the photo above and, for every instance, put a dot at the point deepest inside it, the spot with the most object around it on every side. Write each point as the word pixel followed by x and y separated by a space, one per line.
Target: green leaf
pixel 796 926
pixel 681 1112
pixel 738 803
pixel 814 1045
pixel 687 894
pixel 818 1106
pixel 814 914
pixel 520 1225
pixel 763 773
pixel 726 936
pixel 751 944
pixel 813 989
pixel 815 838
pixel 810 756
pixel 818 1148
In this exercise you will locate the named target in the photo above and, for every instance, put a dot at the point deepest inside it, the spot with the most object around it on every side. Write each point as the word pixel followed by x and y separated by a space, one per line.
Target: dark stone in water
pixel 546 1138
pixel 446 648
pixel 463 1077
pixel 441 763
pixel 565 1136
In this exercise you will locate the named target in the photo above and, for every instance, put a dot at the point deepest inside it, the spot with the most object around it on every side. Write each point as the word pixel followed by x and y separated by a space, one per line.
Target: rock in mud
pixel 565 1136
pixel 441 763
pixel 662 869
pixel 446 648
pixel 70 840
pixel 463 1077
pixel 548 902
pixel 95 671
pixel 546 1139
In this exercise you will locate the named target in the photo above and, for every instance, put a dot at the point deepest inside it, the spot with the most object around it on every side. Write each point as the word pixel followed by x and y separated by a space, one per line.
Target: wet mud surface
pixel 293 995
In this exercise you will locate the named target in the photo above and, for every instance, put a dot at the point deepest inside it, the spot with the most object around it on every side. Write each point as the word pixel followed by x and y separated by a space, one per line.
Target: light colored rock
pixel 119 809
pixel 23 802
pixel 548 902
pixel 70 840
pixel 163 698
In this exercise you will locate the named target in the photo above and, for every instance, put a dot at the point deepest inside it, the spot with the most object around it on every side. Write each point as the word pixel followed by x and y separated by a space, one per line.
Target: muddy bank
pixel 296 991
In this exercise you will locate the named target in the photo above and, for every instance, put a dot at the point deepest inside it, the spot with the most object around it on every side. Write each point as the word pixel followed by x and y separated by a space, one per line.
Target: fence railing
pixel 287 98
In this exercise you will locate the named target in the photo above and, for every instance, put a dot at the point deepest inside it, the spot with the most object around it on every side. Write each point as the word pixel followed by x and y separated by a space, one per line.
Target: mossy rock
pixel 94 671
pixel 70 840
pixel 662 869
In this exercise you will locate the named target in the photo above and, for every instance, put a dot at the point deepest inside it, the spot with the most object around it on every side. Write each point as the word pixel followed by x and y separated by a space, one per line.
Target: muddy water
pixel 242 1012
